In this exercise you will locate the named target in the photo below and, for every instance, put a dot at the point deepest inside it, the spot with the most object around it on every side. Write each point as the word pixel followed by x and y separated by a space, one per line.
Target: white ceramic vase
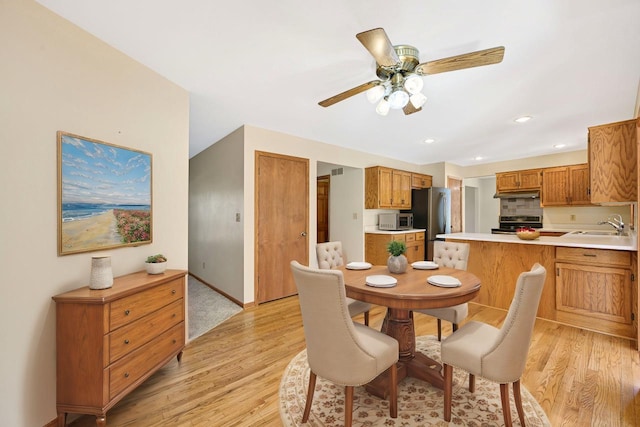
pixel 101 273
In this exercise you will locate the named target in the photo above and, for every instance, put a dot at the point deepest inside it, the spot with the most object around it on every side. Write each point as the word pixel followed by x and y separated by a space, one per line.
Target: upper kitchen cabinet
pixel 387 188
pixel 419 181
pixel 613 156
pixel 515 181
pixel 565 186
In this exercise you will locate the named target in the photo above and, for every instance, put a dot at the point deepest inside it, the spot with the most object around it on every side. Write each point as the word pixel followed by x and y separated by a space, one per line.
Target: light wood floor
pixel 230 376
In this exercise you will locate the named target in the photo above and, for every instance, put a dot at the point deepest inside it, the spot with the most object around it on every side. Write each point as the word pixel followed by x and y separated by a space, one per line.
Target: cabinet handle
pixel 126 374
pixel 126 312
pixel 591 255
pixel 173 291
pixel 174 341
pixel 126 341
pixel 173 315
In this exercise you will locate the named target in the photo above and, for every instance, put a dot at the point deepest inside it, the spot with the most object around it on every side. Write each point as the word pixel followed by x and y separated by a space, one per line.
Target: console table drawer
pixel 128 370
pixel 134 307
pixel 138 333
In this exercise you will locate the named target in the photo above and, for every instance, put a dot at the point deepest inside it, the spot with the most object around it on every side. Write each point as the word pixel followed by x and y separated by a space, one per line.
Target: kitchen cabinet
pixel 109 341
pixel 514 181
pixel 387 188
pixel 375 246
pixel 613 154
pixel 419 181
pixel 594 290
pixel 565 186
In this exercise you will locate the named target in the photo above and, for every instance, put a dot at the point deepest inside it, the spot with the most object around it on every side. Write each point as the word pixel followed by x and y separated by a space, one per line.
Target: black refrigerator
pixel 431 209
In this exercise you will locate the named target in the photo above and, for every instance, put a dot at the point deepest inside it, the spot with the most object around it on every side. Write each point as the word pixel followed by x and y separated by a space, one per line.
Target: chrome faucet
pixel 615 221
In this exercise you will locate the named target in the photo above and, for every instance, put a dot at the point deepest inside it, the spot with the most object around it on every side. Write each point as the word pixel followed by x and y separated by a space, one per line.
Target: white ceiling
pixel 568 63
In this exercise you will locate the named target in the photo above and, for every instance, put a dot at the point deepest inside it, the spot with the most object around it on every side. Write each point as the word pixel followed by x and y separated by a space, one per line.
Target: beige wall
pixel 54 76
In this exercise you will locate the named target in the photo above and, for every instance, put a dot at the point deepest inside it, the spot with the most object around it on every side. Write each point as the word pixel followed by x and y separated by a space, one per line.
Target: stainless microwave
pixel 395 221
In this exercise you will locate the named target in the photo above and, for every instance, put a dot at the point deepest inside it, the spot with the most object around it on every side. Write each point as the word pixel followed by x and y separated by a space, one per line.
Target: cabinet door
pixel 401 189
pixel 385 188
pixel 529 179
pixel 419 181
pixel 506 181
pixel 579 185
pixel 594 292
pixel 555 182
pixel 613 162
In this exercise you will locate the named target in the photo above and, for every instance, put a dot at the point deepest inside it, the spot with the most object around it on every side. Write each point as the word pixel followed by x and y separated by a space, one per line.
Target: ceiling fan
pixel 399 72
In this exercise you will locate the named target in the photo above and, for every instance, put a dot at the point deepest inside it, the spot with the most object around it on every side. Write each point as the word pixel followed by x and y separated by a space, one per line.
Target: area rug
pixel 419 403
pixel 207 308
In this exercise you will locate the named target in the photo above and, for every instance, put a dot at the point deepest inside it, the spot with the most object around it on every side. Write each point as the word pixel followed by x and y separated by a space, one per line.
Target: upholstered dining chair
pixel 330 255
pixel 452 255
pixel 496 354
pixel 340 350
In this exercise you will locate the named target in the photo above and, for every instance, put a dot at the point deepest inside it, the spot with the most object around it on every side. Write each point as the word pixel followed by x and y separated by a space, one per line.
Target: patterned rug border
pixel 419 404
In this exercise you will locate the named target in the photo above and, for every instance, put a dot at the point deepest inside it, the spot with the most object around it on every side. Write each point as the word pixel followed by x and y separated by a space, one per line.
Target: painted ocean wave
pixel 76 211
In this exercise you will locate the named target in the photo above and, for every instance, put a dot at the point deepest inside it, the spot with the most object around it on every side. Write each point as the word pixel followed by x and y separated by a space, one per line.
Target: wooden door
pixel 579 184
pixel 322 188
pixel 529 179
pixel 555 185
pixel 455 185
pixel 282 222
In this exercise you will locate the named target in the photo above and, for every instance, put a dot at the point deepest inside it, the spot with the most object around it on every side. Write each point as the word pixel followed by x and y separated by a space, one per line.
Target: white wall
pixel 54 76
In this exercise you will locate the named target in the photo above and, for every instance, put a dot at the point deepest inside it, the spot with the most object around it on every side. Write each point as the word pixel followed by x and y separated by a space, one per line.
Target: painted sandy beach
pixel 89 233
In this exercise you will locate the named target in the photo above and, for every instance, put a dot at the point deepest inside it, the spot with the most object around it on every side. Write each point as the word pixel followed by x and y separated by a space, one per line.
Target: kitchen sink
pixel 598 233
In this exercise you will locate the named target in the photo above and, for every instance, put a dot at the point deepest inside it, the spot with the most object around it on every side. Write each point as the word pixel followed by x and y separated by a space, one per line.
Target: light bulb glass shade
pixel 418 99
pixel 413 84
pixel 375 94
pixel 398 99
pixel 383 107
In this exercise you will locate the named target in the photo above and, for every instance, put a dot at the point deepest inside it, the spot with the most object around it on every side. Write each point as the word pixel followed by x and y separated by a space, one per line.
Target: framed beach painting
pixel 104 195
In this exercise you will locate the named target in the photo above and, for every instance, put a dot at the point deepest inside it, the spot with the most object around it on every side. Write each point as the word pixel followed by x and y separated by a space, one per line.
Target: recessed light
pixel 522 119
pixel 429 141
pixel 559 145
pixel 476 158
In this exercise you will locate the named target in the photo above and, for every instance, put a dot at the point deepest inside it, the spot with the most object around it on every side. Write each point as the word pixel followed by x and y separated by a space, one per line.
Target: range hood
pixel 516 195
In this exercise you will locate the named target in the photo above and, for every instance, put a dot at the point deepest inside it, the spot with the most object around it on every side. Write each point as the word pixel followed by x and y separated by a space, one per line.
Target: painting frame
pixel 105 195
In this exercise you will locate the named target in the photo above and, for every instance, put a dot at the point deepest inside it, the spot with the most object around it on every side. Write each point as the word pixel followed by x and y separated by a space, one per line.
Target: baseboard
pixel 229 297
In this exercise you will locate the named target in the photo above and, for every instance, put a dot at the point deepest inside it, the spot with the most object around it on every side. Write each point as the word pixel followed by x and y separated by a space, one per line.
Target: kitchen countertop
pixel 374 230
pixel 620 243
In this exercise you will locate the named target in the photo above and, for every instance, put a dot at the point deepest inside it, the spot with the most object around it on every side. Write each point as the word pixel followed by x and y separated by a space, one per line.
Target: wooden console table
pixel 109 341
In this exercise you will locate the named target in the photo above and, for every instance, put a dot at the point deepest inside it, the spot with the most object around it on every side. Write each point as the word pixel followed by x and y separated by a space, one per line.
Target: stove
pixel 510 223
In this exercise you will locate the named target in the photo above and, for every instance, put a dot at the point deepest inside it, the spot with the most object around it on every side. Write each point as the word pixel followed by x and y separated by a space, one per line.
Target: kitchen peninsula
pixel 589 285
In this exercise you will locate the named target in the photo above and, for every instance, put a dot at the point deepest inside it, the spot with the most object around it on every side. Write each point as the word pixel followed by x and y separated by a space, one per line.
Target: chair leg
pixel 448 386
pixel 310 390
pixel 518 398
pixel 506 407
pixel 393 391
pixel 348 405
pixel 472 383
pixel 439 330
pixel 366 318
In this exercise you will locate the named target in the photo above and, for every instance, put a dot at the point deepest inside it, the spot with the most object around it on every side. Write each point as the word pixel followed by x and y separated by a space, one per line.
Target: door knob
pixel 303 234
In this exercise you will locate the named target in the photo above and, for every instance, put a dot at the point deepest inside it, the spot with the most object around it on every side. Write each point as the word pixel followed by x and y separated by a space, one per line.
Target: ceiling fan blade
pixel 349 93
pixel 410 109
pixel 467 60
pixel 379 46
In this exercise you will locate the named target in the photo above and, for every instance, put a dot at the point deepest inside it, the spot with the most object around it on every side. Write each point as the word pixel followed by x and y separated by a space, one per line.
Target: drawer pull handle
pixel 126 312
pixel 173 291
pixel 173 315
pixel 591 255
pixel 174 341
pixel 126 341
pixel 126 374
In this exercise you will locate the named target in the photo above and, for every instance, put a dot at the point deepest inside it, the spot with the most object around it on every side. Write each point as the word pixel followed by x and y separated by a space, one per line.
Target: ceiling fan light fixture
pixel 418 99
pixel 375 94
pixel 383 107
pixel 413 84
pixel 398 99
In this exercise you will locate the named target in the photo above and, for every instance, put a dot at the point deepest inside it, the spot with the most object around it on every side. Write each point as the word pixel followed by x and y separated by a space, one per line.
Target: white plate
pixel 357 265
pixel 381 281
pixel 444 281
pixel 424 265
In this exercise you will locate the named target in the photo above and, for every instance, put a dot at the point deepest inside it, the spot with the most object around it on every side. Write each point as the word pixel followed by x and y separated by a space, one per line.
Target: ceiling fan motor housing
pixel 409 59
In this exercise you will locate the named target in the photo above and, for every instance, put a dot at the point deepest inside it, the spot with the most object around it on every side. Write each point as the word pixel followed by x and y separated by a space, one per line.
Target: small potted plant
pixel 156 264
pixel 397 262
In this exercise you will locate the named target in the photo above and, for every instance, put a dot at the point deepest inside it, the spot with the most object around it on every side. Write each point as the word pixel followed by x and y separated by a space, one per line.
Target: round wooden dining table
pixel 412 292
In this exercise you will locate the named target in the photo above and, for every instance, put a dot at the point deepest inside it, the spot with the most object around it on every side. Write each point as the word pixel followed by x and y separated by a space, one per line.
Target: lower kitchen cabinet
pixel 109 341
pixel 594 289
pixel 375 246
